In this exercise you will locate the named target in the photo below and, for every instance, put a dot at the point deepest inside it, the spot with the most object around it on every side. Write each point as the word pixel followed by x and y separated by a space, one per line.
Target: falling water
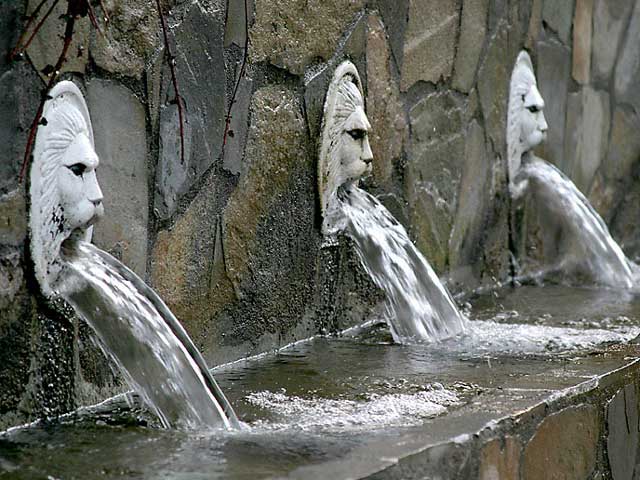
pixel 418 307
pixel 141 335
pixel 586 248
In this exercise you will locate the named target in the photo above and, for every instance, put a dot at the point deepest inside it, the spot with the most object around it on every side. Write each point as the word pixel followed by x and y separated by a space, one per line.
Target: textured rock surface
pixel 433 173
pixel 553 71
pixel 119 124
pixel 429 41
pixel 623 427
pixel 201 81
pixel 124 46
pixel 582 27
pixel 472 32
pixel 609 22
pixel 559 17
pixel 586 136
pixel 563 446
pixel 627 73
pixel 295 34
pixel 500 459
pixel 384 107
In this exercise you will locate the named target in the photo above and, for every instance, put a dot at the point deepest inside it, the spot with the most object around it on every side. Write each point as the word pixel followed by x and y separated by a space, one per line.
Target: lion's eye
pixel 533 109
pixel 78 169
pixel 357 133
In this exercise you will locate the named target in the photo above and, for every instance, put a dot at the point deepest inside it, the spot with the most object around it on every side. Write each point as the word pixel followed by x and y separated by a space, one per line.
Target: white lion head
pixel 526 125
pixel 345 153
pixel 65 196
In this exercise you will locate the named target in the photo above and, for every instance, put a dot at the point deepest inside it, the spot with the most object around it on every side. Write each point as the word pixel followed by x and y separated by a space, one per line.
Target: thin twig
pixel 92 17
pixel 242 71
pixel 172 66
pixel 30 20
pixel 104 11
pixel 68 35
pixel 35 31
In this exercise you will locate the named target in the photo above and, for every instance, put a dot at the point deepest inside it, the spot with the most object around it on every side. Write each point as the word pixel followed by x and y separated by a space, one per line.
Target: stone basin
pixel 543 385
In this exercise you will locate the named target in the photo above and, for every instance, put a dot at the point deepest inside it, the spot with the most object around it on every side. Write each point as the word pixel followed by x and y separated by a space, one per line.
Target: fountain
pixel 576 245
pixel 133 326
pixel 418 306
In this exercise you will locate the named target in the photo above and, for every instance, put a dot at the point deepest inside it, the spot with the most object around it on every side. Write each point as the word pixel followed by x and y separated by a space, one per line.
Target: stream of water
pixel 584 247
pixel 139 333
pixel 418 306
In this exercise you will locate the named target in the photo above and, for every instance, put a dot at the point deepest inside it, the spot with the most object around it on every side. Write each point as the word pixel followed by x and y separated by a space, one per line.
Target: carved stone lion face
pixel 526 125
pixel 345 152
pixel 66 199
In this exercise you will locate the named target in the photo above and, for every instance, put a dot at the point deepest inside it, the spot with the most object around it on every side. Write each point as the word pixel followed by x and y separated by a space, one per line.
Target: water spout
pixel 133 326
pixel 418 307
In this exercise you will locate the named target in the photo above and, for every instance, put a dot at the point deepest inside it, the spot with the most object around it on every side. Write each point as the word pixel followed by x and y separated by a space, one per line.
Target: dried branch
pixel 19 48
pixel 172 66
pixel 242 72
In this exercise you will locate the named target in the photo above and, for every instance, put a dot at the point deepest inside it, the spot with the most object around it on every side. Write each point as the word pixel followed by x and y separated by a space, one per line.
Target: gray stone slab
pixel 20 90
pixel 238 127
pixel 295 34
pixel 201 82
pixel 609 22
pixel 128 40
pixel 47 45
pixel 119 125
pixel 624 145
pixel 553 71
pixel 429 42
pixel 472 32
pixel 235 28
pixel 559 17
pixel 622 441
pixel 587 135
pixel 627 74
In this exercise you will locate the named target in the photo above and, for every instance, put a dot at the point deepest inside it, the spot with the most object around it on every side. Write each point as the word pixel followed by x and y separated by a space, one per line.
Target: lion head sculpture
pixel 66 199
pixel 345 153
pixel 526 125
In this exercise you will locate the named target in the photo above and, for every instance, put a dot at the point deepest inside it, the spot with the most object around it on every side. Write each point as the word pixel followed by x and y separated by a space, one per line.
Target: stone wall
pixel 229 235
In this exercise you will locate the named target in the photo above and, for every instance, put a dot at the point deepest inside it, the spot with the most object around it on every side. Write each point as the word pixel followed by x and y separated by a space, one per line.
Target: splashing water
pixel 587 248
pixel 136 329
pixel 418 307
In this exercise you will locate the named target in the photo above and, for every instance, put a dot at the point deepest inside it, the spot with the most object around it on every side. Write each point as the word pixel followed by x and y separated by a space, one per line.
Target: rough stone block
pixel 624 144
pixel 132 34
pixel 13 218
pixel 564 446
pixel 47 44
pixel 609 22
pixel 500 459
pixel 493 87
pixel 582 23
pixel 627 74
pixel 554 69
pixel 235 29
pixel 559 16
pixel 587 133
pixel 433 172
pixel 201 82
pixel 472 32
pixel 430 41
pixel 535 23
pixel 384 106
pixel 474 197
pixel 119 124
pixel 295 34
pixel 622 423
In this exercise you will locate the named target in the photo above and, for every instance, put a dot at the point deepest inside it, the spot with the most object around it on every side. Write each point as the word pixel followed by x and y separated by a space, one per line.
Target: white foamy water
pixel 490 337
pixel 585 246
pixel 136 329
pixel 418 306
pixel 334 415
